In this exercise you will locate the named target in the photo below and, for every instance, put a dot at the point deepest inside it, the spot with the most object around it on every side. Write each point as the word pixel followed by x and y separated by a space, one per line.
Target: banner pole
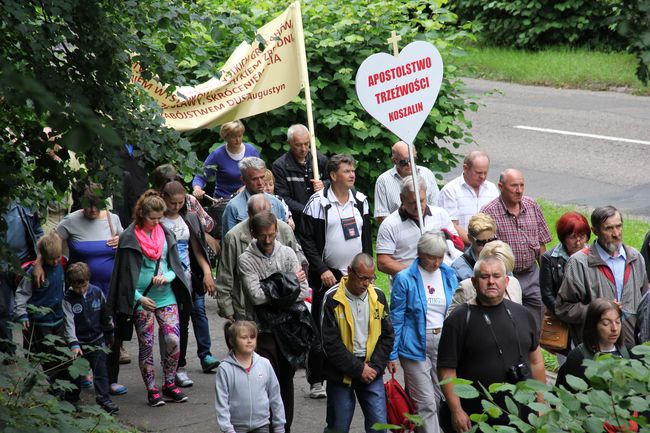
pixel 305 82
pixel 416 185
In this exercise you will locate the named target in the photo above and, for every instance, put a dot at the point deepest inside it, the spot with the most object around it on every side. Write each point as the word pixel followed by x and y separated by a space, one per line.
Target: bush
pixel 26 401
pixel 633 23
pixel 533 24
pixel 618 387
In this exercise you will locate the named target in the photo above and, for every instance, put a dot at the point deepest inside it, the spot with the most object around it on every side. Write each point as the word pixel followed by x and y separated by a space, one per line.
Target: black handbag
pixel 124 321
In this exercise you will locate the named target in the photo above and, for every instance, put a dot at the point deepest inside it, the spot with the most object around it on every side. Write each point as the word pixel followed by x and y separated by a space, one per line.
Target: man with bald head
pixel 230 298
pixel 464 196
pixel 388 186
pixel 293 172
pixel 521 224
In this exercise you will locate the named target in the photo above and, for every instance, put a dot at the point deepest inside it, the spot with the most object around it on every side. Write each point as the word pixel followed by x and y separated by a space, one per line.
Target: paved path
pixel 198 414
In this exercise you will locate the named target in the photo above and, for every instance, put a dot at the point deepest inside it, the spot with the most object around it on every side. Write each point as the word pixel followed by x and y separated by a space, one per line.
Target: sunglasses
pixel 403 162
pixel 483 242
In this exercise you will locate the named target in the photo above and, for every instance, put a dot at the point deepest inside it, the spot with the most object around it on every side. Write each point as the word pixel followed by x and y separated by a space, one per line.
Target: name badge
pixel 350 229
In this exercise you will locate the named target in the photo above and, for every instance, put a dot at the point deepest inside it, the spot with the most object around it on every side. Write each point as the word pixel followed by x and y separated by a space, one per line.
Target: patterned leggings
pixel 167 318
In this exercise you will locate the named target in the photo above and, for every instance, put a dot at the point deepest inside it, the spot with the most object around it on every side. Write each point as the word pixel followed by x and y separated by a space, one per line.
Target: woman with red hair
pixel 573 233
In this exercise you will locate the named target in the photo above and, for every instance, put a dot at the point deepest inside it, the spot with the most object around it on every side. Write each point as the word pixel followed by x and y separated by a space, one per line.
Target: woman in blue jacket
pixel 419 300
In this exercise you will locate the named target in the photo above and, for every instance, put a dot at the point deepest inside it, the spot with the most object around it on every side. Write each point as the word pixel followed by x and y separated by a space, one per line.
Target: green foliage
pixel 536 24
pixel 633 23
pixel 338 37
pixel 66 65
pixel 27 403
pixel 617 388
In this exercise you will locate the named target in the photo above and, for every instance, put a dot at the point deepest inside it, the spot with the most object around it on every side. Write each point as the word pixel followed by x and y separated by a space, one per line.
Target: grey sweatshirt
pixel 245 400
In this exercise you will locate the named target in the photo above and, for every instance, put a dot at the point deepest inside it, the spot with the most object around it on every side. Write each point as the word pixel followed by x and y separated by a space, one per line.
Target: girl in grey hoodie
pixel 247 391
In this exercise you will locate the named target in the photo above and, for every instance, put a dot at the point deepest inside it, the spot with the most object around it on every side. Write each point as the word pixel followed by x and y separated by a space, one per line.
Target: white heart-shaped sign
pixel 400 91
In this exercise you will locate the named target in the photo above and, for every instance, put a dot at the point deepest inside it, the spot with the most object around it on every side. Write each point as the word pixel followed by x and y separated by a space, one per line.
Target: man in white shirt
pixel 388 186
pixel 464 196
pixel 400 232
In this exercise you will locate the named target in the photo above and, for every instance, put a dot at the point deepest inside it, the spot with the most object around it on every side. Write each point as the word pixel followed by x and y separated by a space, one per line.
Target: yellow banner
pixel 252 81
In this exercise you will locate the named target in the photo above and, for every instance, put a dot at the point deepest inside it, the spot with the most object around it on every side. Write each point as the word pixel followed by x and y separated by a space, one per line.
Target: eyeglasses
pixel 483 242
pixel 403 162
pixel 362 278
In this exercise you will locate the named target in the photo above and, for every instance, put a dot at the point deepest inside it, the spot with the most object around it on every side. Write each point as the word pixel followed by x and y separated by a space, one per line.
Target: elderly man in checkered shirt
pixel 521 224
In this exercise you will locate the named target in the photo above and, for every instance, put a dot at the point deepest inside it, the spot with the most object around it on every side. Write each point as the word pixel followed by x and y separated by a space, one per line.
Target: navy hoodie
pixel 87 318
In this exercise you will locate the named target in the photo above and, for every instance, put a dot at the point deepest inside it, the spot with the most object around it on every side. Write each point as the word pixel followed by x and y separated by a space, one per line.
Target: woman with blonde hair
pixel 222 164
pixel 481 230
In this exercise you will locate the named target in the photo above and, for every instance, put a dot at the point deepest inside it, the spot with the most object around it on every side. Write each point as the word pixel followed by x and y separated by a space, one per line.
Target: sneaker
pixel 174 393
pixel 154 397
pixel 87 381
pixel 125 358
pixel 117 389
pixel 317 391
pixel 109 407
pixel 209 363
pixel 182 379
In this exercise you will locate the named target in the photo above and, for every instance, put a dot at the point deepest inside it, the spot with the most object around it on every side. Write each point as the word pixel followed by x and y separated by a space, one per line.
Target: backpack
pixel 24 267
pixel 398 403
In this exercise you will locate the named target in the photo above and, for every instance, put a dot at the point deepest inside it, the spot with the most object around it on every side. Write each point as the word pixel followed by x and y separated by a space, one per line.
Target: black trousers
pixel 284 371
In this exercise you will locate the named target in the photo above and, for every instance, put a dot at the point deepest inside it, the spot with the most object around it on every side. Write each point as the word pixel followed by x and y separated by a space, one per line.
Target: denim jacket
pixel 409 310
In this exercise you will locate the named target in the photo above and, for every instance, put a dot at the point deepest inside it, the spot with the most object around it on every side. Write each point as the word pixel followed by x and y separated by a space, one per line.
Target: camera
pixel 517 373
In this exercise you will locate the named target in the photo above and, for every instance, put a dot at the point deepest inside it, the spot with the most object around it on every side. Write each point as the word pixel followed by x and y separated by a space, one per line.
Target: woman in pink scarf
pixel 148 274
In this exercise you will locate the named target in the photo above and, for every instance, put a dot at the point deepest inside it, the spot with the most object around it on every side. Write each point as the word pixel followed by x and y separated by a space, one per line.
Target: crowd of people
pixel 289 259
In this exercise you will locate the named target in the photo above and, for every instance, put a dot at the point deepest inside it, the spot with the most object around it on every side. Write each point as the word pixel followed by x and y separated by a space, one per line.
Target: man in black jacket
pixel 334 228
pixel 293 172
pixel 357 340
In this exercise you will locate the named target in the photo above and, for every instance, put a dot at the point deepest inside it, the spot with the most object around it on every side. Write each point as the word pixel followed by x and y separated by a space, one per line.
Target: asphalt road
pixel 564 168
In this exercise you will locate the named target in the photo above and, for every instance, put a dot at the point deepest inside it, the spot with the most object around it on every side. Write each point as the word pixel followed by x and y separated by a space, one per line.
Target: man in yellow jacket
pixel 357 340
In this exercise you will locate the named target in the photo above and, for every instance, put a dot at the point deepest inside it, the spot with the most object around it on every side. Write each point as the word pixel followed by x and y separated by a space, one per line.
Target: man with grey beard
pixel 606 269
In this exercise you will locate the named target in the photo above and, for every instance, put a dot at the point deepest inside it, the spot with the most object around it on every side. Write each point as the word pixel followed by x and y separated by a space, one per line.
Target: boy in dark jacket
pixel 48 298
pixel 88 327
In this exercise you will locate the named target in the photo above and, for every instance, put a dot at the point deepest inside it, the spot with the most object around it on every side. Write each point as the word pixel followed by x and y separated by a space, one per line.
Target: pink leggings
pixel 167 318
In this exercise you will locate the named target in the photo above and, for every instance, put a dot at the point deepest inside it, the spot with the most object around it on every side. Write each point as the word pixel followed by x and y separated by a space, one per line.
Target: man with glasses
pixel 464 196
pixel 399 233
pixel 521 224
pixel 357 339
pixel 388 186
pixel 607 269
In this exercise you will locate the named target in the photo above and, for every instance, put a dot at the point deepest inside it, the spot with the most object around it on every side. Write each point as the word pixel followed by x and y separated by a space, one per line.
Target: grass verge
pixel 556 67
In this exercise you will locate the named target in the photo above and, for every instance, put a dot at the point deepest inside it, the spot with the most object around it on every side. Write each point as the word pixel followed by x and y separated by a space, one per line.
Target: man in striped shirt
pixel 388 186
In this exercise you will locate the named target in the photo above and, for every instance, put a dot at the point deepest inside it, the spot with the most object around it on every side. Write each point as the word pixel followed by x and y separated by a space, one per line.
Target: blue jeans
pixel 97 361
pixel 341 402
pixel 201 327
pixel 201 330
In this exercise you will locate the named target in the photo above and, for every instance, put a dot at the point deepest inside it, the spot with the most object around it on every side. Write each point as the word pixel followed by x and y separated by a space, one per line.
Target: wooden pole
pixel 392 41
pixel 305 82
